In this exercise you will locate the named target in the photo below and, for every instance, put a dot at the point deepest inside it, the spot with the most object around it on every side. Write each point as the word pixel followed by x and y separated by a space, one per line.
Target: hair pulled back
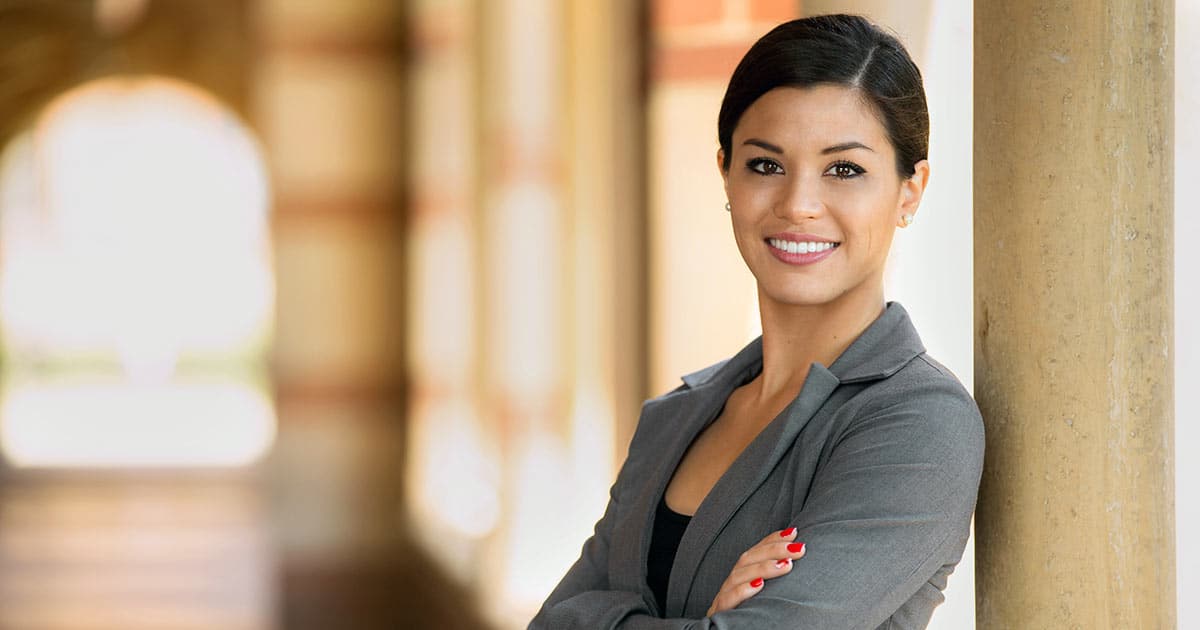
pixel 846 50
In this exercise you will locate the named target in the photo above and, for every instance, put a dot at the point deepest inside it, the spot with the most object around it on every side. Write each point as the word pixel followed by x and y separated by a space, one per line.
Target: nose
pixel 802 200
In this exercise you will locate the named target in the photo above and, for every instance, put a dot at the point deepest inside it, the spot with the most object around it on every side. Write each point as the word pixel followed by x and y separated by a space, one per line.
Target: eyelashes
pixel 845 170
pixel 841 169
pixel 764 166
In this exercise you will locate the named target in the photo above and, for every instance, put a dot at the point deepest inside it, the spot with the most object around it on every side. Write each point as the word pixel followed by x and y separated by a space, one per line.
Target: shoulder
pixel 923 409
pixel 688 382
pixel 922 385
pixel 660 421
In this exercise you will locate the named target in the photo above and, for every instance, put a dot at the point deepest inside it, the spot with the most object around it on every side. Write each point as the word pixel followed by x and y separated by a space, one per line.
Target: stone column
pixel 1073 313
pixel 328 96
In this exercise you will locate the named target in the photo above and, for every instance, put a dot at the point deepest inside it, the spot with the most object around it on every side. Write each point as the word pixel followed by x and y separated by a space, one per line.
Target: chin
pixel 806 296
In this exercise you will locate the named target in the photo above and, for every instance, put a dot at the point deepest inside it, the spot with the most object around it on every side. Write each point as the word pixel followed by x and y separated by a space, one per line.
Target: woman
pixel 771 491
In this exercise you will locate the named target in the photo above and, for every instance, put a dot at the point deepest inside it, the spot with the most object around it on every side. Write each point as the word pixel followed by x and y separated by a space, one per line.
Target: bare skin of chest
pixel 716 448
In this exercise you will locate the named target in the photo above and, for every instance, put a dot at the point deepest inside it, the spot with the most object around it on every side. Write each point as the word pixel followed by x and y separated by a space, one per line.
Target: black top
pixel 664 541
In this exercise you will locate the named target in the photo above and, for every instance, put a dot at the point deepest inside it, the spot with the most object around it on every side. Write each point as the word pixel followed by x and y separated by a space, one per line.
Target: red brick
pixel 774 10
pixel 699 63
pixel 674 13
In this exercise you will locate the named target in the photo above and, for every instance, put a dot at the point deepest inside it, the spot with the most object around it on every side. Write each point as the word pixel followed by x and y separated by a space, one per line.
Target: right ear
pixel 722 170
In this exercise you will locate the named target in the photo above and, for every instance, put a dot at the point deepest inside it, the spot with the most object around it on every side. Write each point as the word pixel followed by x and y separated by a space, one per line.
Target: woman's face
pixel 815 195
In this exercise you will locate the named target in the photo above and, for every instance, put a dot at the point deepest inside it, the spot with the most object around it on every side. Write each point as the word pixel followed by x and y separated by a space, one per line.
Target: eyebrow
pixel 765 145
pixel 837 148
pixel 845 146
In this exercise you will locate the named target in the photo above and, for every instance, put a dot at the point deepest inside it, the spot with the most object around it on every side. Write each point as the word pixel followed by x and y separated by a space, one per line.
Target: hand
pixel 770 558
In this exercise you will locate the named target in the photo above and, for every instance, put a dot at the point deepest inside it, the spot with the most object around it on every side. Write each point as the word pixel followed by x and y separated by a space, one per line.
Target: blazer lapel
pixel 675 420
pixel 746 473
pixel 688 414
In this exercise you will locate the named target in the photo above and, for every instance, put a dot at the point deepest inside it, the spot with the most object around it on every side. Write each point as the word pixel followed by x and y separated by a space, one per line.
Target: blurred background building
pixel 339 313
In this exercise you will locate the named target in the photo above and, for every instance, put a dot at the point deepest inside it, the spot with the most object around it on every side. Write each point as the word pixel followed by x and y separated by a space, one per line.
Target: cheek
pixel 871 225
pixel 882 232
pixel 743 232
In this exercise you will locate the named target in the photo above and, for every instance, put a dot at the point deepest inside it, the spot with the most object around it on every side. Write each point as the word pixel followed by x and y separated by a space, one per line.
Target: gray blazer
pixel 876 461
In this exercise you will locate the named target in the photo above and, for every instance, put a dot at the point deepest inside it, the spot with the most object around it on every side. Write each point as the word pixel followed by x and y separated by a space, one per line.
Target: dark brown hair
pixel 846 50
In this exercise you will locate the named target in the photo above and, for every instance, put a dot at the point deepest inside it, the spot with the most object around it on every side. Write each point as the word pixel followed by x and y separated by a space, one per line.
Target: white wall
pixel 930 270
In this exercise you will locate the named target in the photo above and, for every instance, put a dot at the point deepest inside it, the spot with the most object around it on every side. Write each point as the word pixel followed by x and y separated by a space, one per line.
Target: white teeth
pixel 794 247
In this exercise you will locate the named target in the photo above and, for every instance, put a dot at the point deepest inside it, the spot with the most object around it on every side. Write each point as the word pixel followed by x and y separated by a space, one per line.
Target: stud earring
pixel 727 207
pixel 908 219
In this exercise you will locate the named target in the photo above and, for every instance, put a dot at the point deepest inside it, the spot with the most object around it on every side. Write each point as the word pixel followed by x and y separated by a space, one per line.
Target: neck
pixel 796 336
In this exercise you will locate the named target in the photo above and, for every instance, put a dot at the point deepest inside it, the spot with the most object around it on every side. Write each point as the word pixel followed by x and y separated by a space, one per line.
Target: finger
pixel 770 551
pixel 735 594
pixel 775 536
pixel 767 569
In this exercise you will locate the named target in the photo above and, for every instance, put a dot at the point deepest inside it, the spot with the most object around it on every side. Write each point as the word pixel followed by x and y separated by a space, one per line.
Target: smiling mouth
pixel 801 247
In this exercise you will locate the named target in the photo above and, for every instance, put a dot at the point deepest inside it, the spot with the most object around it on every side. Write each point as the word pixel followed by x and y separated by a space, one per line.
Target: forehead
pixel 821 114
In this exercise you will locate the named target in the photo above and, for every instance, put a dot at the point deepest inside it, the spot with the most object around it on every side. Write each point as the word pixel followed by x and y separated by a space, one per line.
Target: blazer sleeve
pixel 891 505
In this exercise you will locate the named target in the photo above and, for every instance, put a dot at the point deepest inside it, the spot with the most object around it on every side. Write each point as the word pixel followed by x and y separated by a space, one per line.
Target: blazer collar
pixel 887 345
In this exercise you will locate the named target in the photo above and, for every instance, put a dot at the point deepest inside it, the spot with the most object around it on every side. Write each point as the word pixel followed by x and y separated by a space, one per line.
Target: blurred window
pixel 136 284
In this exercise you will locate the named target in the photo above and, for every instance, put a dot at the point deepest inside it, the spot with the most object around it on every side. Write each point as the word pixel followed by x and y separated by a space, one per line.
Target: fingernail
pixel 779 564
pixel 756 582
pixel 795 547
pixel 787 532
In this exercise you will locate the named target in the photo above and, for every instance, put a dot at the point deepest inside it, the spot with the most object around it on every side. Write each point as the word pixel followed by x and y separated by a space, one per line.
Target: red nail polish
pixel 787 532
pixel 795 547
pixel 756 582
pixel 779 564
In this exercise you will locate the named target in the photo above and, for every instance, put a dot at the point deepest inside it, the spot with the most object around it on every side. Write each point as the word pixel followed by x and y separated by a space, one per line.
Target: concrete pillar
pixel 1073 313
pixel 328 95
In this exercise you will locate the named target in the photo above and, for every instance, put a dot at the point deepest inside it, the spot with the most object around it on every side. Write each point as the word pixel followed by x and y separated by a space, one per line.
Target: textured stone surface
pixel 1073 312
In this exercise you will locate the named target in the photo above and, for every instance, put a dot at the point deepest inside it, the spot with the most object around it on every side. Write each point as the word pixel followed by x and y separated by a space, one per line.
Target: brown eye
pixel 845 170
pixel 763 166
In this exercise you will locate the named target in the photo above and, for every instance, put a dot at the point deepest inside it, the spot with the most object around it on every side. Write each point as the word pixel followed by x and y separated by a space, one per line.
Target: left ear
pixel 911 191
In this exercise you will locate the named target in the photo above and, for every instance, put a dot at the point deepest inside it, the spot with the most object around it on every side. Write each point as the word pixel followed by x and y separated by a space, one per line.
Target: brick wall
pixel 704 39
